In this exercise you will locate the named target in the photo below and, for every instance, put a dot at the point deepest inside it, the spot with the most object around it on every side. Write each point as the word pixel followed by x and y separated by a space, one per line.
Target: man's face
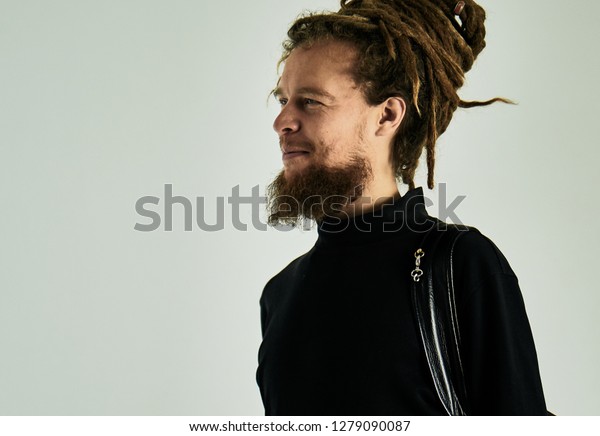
pixel 322 108
pixel 321 127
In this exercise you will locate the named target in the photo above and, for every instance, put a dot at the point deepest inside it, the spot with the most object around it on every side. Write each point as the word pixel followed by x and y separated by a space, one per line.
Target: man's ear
pixel 391 114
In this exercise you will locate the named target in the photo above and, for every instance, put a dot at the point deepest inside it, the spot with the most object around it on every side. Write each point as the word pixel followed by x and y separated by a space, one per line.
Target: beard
pixel 317 192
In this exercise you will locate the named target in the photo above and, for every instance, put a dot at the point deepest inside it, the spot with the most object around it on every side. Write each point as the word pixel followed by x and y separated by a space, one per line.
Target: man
pixel 362 93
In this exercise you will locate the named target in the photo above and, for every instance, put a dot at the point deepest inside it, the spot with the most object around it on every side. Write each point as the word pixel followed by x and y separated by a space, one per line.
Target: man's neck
pixel 371 201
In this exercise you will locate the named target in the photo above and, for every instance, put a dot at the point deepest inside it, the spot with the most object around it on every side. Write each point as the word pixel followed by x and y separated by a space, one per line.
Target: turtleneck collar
pixel 399 214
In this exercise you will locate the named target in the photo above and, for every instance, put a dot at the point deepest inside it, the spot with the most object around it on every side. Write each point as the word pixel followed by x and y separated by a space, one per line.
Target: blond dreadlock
pixel 414 49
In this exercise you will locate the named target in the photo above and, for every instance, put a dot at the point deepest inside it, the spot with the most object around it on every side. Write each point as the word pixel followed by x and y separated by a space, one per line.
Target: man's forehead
pixel 340 54
pixel 323 69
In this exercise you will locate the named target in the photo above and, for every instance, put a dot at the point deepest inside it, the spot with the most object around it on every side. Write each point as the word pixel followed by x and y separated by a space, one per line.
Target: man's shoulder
pixel 480 268
pixel 472 249
pixel 476 251
pixel 475 258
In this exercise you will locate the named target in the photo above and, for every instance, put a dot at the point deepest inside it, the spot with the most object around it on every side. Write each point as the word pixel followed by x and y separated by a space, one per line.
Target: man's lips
pixel 293 149
pixel 292 154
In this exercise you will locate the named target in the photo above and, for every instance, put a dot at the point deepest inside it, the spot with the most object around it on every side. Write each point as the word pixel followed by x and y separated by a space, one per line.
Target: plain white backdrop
pixel 104 102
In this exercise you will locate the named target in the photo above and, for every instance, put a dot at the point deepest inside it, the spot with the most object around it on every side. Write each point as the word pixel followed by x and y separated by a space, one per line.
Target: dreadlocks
pixel 418 50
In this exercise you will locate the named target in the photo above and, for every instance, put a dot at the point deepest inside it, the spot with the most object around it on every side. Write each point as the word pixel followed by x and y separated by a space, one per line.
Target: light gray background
pixel 103 102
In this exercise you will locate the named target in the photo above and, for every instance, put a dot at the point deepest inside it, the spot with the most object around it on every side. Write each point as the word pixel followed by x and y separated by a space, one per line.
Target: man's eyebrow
pixel 277 92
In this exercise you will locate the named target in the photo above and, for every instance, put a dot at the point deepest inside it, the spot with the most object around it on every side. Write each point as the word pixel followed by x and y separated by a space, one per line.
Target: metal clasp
pixel 417 272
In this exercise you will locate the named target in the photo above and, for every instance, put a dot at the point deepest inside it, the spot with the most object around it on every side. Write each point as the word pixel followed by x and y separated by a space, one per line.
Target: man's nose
pixel 287 121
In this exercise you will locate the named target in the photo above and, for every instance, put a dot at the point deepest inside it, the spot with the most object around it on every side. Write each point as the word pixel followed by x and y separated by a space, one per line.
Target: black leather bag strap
pixel 434 304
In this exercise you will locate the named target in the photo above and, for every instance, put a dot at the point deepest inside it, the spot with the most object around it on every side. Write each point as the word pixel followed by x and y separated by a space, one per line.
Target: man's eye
pixel 282 101
pixel 310 101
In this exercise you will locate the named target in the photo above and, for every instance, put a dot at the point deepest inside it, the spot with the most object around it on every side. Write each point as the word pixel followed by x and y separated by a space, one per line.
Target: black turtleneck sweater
pixel 340 337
